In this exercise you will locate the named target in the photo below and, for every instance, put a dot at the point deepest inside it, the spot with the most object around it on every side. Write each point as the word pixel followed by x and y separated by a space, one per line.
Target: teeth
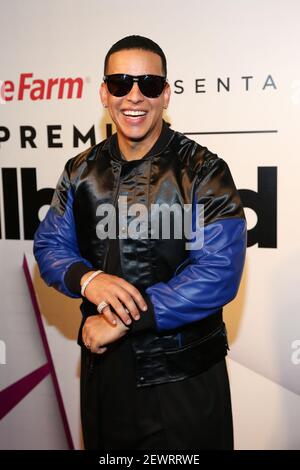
pixel 134 113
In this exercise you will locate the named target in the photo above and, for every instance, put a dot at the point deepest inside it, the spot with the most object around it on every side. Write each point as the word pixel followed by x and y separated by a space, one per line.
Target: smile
pixel 134 113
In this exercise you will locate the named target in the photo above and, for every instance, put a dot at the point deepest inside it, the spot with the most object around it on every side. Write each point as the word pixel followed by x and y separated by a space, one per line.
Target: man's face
pixel 135 128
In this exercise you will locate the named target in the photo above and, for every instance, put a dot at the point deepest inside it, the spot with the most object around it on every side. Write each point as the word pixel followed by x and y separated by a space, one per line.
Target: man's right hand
pixel 117 293
pixel 97 333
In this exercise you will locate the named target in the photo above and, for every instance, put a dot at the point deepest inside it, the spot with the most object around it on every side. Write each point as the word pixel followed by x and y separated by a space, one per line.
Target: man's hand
pixel 122 296
pixel 97 332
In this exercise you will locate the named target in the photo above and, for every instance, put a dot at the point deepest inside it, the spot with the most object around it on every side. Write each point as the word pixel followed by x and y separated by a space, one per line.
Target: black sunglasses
pixel 120 84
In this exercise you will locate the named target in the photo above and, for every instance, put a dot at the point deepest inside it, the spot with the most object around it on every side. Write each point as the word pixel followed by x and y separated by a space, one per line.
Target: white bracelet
pixel 88 280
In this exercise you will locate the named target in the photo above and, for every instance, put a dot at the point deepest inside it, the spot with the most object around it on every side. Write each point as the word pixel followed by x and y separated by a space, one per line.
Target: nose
pixel 135 94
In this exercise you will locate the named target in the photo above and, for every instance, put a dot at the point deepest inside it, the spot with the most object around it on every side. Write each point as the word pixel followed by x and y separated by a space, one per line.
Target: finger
pixel 109 315
pixel 87 342
pixel 97 347
pixel 101 350
pixel 129 304
pixel 122 311
pixel 135 294
pixel 123 304
pixel 84 337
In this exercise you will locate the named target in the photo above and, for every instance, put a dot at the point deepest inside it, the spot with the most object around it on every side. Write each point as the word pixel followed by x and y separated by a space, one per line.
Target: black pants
pixel 194 413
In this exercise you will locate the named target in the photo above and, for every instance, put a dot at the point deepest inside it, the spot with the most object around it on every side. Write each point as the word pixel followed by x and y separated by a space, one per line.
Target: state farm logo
pixel 35 89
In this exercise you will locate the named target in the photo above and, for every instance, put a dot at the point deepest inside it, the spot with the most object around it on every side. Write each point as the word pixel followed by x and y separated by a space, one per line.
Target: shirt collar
pixel 160 144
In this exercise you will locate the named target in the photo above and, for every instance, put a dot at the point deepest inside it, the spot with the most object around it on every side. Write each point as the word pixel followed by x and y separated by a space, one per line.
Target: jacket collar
pixel 161 143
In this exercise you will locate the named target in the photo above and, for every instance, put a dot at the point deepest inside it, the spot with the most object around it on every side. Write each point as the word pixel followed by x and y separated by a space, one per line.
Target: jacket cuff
pixel 73 276
pixel 147 319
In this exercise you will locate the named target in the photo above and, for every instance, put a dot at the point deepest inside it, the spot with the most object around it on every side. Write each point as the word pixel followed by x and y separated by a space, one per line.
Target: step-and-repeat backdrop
pixel 234 69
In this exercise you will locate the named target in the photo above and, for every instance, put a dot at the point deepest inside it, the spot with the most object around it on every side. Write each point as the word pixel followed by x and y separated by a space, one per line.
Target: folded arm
pixel 212 274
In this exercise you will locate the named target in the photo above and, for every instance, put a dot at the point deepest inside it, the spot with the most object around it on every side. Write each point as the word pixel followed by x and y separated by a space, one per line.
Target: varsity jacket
pixel 186 276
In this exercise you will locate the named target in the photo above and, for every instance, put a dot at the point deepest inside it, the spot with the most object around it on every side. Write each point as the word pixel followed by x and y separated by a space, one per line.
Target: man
pixel 153 341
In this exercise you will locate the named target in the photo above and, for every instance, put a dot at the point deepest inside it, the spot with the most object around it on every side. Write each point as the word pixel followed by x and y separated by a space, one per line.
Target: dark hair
pixel 137 42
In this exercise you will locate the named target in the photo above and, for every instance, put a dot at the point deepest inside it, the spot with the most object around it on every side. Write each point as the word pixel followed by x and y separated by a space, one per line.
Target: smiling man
pixel 138 117
pixel 153 340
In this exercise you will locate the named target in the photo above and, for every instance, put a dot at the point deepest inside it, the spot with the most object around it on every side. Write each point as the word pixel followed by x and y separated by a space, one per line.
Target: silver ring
pixel 101 306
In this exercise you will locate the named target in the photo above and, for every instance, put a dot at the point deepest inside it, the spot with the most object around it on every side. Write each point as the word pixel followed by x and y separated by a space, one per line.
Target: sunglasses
pixel 120 84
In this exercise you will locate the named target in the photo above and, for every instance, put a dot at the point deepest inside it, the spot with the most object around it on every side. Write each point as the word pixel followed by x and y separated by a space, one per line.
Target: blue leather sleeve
pixel 55 246
pixel 209 280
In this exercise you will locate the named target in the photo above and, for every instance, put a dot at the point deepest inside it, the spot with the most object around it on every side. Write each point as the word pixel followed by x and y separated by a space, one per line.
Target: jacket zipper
pixel 91 359
pixel 114 204
pixel 182 265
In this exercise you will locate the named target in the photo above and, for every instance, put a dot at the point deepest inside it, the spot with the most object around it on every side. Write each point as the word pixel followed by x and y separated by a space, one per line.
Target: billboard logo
pixel 263 202
pixel 36 89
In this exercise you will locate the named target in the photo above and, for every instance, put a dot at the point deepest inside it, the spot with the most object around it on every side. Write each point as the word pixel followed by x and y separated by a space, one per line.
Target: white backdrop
pixel 206 43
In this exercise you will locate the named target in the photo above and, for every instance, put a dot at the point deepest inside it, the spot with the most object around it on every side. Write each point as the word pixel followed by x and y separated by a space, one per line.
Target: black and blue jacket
pixel 186 285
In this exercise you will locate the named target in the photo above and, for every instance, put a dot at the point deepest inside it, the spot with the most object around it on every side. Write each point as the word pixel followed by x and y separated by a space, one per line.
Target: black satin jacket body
pixel 183 332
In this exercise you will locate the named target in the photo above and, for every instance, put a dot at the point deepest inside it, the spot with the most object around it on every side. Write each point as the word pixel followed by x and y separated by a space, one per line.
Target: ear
pixel 104 95
pixel 166 95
